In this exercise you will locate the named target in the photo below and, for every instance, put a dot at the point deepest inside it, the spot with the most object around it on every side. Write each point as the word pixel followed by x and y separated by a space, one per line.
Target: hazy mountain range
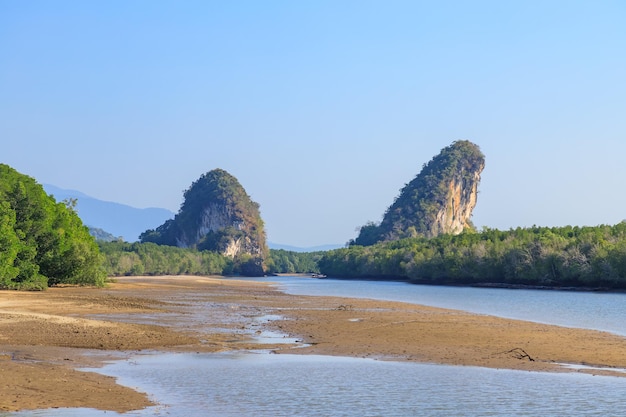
pixel 117 219
pixel 128 222
pixel 299 249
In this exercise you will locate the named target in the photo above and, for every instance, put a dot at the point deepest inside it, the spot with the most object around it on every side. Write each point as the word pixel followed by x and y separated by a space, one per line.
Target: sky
pixel 323 110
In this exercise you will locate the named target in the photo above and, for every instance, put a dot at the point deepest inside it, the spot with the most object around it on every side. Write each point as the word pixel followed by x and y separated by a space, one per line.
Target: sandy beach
pixel 45 337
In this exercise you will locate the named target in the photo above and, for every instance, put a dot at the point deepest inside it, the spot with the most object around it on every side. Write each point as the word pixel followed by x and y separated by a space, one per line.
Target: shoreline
pixel 45 337
pixel 486 284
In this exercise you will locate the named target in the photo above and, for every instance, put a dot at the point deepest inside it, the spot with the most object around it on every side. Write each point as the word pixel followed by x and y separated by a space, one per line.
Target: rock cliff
pixel 217 214
pixel 439 200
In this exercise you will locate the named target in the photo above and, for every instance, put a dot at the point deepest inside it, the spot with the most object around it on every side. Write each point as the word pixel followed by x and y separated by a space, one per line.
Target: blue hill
pixel 300 249
pixel 118 219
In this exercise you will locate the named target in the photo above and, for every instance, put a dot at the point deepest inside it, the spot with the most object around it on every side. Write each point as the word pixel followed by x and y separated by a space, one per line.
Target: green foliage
pixel 131 259
pixel 163 235
pixel 122 258
pixel 10 246
pixel 414 211
pixel 536 256
pixel 43 242
pixel 369 234
pixel 247 265
pixel 284 262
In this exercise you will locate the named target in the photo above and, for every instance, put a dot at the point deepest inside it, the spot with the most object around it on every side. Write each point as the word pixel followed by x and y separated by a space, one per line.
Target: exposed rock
pixel 439 200
pixel 217 214
pixel 455 215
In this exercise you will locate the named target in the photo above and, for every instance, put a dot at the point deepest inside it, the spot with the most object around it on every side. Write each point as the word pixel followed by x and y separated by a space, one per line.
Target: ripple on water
pixel 234 384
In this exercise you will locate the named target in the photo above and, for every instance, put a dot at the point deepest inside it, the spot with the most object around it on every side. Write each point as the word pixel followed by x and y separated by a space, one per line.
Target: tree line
pixel 536 256
pixel 43 242
pixel 125 259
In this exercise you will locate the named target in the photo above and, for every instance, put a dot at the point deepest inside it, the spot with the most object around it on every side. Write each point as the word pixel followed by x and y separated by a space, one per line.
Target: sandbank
pixel 45 337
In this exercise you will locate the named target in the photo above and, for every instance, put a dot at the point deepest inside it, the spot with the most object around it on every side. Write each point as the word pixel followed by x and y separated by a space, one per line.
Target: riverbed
pixel 261 383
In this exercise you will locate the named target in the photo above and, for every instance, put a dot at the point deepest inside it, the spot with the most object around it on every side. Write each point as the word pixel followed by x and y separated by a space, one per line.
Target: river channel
pixel 262 384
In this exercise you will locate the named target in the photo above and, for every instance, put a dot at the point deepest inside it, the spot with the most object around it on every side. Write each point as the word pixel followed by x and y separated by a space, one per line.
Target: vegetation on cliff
pixel 102 235
pixel 537 256
pixel 42 242
pixel 217 215
pixel 439 200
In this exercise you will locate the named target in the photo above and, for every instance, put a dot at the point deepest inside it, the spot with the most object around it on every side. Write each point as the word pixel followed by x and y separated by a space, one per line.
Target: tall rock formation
pixel 218 215
pixel 439 200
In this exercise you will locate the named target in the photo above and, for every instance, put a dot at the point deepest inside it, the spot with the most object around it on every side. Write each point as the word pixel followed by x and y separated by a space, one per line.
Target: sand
pixel 47 337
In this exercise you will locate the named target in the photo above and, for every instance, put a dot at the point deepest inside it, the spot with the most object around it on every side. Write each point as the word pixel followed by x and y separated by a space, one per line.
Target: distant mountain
pixel 114 218
pixel 290 248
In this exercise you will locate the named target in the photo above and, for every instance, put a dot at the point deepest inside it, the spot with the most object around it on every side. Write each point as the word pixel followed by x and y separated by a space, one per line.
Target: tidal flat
pixel 47 337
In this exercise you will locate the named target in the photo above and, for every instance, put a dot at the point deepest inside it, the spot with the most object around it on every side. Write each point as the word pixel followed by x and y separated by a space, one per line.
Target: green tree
pixel 48 243
pixel 10 246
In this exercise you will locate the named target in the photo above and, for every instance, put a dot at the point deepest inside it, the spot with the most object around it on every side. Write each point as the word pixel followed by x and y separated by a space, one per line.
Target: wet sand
pixel 46 336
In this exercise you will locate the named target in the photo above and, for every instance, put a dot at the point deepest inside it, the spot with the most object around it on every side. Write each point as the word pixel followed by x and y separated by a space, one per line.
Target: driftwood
pixel 518 353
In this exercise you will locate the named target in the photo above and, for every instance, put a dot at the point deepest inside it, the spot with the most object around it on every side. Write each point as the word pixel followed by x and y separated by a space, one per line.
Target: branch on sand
pixel 518 353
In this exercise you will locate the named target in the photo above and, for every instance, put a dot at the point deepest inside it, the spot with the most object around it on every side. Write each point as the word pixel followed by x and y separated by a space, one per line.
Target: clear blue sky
pixel 322 109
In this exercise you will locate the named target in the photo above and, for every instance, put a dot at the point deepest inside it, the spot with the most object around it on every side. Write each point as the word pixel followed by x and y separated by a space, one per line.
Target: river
pixel 604 311
pixel 261 384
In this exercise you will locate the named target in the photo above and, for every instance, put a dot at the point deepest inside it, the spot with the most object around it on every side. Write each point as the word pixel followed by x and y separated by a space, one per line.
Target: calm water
pixel 590 310
pixel 290 385
pixel 262 384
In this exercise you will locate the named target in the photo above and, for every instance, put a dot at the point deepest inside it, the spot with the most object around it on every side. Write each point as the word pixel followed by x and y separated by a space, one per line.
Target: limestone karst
pixel 217 214
pixel 440 199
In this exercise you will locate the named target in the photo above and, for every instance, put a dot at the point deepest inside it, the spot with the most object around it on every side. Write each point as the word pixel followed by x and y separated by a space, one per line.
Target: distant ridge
pixel 320 248
pixel 114 218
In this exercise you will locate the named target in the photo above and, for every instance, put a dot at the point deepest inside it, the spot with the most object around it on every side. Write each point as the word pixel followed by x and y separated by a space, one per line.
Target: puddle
pixel 270 337
pixel 265 336
pixel 209 318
